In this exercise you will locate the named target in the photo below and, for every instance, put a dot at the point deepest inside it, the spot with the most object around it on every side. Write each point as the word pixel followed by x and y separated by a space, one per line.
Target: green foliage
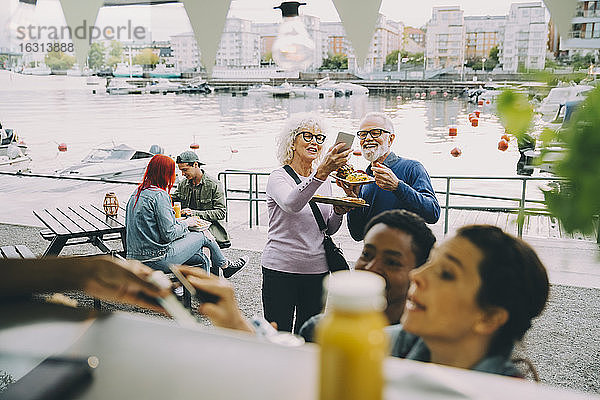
pixel 577 203
pixel 96 56
pixel 493 57
pixel 116 49
pixel 146 57
pixel 413 58
pixel 335 62
pixel 58 60
pixel 392 58
pixel 581 62
pixel 516 113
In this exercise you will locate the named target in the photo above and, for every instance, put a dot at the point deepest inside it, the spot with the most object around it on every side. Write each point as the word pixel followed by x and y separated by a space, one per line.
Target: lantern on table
pixel 111 204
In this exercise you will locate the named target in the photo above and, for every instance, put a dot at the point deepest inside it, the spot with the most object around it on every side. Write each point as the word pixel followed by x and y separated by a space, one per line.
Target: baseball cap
pixel 188 157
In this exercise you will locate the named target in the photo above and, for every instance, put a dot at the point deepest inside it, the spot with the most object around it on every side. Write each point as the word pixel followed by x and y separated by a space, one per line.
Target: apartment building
pixel 336 42
pixel 386 39
pixel 482 33
pixel 445 38
pixel 584 36
pixel 413 40
pixel 240 44
pixel 185 51
pixel 525 37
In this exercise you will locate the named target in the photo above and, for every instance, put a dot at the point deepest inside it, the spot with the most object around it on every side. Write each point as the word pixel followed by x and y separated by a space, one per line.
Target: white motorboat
pixel 13 153
pixel 124 70
pixel 121 86
pixel 40 70
pixel 307 91
pixel 119 162
pixel 561 95
pixel 9 141
pixel 164 86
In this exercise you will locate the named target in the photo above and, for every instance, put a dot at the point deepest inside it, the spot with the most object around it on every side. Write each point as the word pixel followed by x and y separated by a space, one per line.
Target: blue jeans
pixel 188 250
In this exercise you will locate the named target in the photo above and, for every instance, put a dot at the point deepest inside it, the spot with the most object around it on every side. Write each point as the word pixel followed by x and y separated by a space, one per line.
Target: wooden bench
pixel 18 251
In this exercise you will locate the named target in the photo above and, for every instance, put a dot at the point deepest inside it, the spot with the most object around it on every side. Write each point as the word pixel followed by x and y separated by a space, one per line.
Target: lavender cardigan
pixel 294 243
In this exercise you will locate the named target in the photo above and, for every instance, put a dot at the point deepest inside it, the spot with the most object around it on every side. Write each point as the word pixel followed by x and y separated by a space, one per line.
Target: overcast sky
pixel 167 20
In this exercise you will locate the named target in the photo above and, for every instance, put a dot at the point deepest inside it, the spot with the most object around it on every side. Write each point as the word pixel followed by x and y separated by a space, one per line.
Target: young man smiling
pixel 400 183
pixel 201 195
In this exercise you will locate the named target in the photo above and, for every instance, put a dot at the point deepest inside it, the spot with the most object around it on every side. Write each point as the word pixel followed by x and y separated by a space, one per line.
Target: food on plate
pixel 344 171
pixel 348 173
pixel 357 176
pixel 355 200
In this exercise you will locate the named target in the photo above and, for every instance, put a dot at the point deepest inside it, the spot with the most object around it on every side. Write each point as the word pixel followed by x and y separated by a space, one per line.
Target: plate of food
pixel 340 201
pixel 202 224
pixel 349 175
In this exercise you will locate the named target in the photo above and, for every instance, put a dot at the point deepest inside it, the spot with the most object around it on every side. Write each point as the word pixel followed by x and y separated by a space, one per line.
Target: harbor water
pixel 234 132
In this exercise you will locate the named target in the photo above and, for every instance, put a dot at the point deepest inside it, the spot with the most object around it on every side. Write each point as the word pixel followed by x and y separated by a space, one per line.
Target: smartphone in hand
pixel 346 138
pixel 201 296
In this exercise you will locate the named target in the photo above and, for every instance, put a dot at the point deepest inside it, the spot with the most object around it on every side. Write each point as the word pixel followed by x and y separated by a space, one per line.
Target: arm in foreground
pixel 225 313
pixel 101 277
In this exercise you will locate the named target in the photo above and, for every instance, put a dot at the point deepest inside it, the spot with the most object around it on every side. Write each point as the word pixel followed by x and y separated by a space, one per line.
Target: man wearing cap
pixel 201 195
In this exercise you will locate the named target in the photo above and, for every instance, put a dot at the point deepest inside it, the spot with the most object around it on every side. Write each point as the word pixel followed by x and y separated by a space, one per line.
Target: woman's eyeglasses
pixel 308 137
pixel 375 133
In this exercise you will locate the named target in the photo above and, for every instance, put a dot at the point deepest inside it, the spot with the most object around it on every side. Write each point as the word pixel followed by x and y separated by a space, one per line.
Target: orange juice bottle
pixel 352 338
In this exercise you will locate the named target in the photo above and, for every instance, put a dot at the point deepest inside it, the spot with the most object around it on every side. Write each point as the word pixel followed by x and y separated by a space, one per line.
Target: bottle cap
pixel 290 8
pixel 355 291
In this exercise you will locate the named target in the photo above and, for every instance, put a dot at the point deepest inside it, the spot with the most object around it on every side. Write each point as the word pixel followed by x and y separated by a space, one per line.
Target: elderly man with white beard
pixel 400 183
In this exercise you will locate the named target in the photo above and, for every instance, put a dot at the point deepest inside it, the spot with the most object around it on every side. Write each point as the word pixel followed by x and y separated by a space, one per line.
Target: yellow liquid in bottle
pixel 353 347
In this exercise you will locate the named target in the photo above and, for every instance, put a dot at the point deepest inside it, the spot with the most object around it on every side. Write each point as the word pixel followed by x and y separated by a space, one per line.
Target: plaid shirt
pixel 208 200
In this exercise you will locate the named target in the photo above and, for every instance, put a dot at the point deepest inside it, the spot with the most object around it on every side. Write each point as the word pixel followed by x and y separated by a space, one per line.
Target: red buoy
pixel 62 147
pixel 477 113
pixel 357 153
pixel 423 95
pixel 502 145
pixel 488 102
pixel 505 137
pixel 417 95
pixel 471 116
pixel 452 131
pixel 480 103
pixel 456 152
pixel 398 97
pixel 194 146
pixel 475 122
pixel 445 94
pixel 433 92
pixel 234 151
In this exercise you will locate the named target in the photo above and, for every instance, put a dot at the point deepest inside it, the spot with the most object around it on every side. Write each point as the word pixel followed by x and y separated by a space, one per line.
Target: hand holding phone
pixel 346 138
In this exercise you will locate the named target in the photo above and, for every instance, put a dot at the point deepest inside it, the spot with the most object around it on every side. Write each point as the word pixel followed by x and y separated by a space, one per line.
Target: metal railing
pixel 523 206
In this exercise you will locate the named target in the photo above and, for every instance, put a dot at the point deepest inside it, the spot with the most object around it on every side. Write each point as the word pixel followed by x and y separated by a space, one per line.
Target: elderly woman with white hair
pixel 293 260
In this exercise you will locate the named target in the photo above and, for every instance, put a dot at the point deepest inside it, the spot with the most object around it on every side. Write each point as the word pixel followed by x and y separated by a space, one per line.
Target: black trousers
pixel 285 294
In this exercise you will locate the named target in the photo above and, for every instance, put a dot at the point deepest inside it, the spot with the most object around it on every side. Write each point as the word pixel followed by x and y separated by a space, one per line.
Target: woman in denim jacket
pixel 155 237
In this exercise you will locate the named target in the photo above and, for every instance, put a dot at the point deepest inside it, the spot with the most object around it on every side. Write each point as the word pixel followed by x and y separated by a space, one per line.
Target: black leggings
pixel 283 293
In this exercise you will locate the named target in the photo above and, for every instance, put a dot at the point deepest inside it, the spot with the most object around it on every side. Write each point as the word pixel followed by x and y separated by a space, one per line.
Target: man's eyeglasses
pixel 308 137
pixel 375 133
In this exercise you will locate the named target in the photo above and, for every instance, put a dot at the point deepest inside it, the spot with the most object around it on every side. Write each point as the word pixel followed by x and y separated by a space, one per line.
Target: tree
pixel 336 61
pixel 493 57
pixel 115 55
pixel 96 56
pixel 58 60
pixel 392 58
pixel 146 57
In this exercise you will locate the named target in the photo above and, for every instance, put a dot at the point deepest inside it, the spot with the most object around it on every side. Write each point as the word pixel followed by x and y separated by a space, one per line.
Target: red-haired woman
pixel 155 237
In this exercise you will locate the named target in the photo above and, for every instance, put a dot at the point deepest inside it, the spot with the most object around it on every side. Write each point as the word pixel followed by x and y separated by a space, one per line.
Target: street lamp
pixel 483 64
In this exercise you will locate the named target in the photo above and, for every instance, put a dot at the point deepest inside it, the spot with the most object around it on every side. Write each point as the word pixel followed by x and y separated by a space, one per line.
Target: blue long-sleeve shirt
pixel 414 193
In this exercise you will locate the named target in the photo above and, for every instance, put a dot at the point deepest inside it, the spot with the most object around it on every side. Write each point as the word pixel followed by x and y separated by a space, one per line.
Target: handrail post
pixel 521 217
pixel 257 192
pixel 250 200
pixel 226 196
pixel 447 205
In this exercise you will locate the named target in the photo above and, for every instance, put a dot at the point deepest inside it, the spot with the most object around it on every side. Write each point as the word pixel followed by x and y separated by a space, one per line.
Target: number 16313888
pixel 36 47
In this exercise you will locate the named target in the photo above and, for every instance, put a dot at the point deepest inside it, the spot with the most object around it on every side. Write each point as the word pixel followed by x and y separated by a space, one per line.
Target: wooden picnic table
pixel 70 225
